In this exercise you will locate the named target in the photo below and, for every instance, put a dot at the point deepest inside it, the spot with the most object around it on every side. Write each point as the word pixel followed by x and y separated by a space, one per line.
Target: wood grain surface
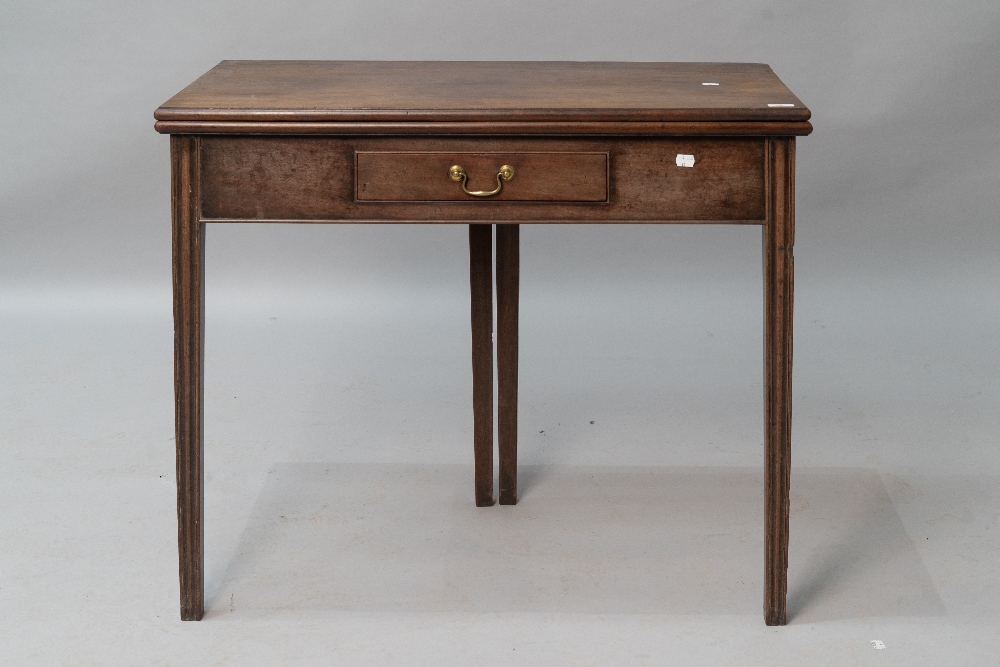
pixel 312 179
pixel 289 90
pixel 423 176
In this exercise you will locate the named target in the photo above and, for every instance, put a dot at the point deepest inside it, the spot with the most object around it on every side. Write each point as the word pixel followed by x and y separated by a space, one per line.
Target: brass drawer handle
pixel 457 173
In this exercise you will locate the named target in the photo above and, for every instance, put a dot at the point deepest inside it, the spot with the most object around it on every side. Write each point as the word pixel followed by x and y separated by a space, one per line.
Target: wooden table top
pixel 373 91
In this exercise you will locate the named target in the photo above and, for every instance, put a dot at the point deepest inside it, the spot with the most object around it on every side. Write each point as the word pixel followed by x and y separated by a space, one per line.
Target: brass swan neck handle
pixel 457 173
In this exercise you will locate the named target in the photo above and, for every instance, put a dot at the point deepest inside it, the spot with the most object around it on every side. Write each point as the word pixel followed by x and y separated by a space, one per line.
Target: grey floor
pixel 340 525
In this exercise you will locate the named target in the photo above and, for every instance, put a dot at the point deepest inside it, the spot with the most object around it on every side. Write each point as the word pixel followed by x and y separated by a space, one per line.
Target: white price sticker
pixel 685 160
pixel 878 644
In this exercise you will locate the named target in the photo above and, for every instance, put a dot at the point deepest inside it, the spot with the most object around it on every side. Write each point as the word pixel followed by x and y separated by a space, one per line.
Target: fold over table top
pixel 282 96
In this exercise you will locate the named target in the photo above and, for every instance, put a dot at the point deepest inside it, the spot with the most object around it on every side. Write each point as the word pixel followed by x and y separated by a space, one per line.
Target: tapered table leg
pixel 508 270
pixel 189 308
pixel 779 239
pixel 481 283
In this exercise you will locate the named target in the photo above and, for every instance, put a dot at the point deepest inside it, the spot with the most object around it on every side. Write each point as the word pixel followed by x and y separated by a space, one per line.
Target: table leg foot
pixel 481 284
pixel 189 304
pixel 508 276
pixel 779 239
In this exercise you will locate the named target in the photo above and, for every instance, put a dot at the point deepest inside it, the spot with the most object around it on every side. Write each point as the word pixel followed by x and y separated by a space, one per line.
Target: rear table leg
pixel 508 276
pixel 481 283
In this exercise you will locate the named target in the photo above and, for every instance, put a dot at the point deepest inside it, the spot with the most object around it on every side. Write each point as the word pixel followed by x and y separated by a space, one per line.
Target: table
pixel 484 143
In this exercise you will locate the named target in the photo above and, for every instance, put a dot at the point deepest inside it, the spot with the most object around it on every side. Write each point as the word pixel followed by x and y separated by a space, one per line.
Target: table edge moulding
pixel 490 145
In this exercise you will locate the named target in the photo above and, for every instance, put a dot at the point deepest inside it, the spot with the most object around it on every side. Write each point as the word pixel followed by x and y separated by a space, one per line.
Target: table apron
pixel 641 179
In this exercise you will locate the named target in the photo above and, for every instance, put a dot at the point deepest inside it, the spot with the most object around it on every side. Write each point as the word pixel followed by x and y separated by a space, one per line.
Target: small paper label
pixel 709 83
pixel 685 160
pixel 877 644
pixel 781 105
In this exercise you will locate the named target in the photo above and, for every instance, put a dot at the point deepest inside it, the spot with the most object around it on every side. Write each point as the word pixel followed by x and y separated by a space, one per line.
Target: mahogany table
pixel 484 143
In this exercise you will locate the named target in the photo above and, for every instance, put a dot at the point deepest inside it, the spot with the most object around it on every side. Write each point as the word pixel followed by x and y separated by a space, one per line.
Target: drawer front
pixel 425 176
pixel 556 180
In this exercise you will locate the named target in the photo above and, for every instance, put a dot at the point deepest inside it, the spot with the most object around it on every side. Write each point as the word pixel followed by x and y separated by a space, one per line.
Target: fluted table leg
pixel 779 239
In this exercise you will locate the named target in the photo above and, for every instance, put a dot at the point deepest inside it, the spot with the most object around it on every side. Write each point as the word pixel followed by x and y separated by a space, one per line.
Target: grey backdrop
pixel 897 318
pixel 897 177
